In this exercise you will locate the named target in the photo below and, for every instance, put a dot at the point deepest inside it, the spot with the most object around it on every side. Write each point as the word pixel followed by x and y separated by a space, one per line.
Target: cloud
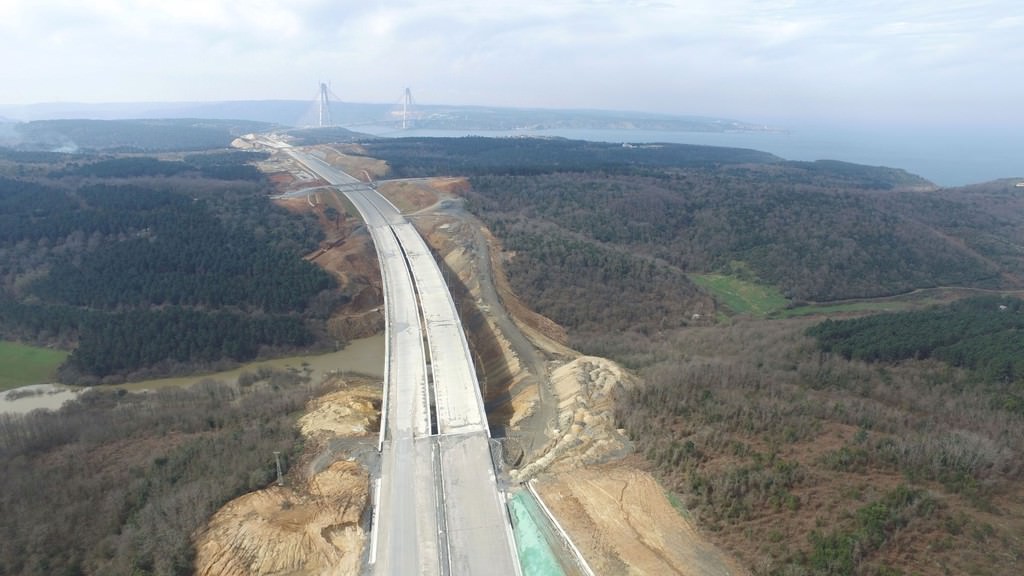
pixel 721 57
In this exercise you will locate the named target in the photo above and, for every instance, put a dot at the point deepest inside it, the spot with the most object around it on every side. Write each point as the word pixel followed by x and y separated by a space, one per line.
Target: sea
pixel 947 156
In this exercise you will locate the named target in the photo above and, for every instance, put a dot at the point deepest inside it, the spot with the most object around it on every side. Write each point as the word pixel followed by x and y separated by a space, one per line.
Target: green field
pixel 741 296
pixel 21 365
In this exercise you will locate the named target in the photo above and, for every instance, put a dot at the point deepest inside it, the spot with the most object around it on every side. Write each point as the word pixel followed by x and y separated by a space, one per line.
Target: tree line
pixel 220 166
pixel 982 334
pixel 134 135
pixel 475 155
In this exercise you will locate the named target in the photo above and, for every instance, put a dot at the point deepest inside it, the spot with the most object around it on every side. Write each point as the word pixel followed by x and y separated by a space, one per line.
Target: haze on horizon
pixel 912 61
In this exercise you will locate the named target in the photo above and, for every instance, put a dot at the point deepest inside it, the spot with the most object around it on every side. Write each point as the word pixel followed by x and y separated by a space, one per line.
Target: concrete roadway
pixel 470 528
pixel 480 539
pixel 459 404
pixel 408 480
pixel 407 537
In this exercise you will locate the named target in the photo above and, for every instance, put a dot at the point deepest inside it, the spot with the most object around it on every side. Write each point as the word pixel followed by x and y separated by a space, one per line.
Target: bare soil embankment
pixel 584 432
pixel 618 515
pixel 622 522
pixel 314 523
pixel 346 252
pixel 511 351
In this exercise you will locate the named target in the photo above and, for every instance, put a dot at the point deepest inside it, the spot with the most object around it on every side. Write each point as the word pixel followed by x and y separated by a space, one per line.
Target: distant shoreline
pixel 937 155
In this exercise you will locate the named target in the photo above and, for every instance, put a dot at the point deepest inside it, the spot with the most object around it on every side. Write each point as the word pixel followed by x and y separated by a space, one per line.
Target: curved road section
pixel 439 508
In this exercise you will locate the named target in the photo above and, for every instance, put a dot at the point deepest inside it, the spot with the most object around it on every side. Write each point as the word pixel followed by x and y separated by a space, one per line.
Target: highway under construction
pixel 438 509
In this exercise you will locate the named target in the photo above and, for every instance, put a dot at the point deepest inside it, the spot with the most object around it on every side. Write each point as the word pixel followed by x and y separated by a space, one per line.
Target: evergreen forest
pixel 134 135
pixel 984 335
pixel 148 265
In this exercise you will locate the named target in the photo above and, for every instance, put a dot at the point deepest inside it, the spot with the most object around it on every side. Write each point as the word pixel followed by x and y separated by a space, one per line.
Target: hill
pixel 153 265
pixel 888 445
pixel 353 114
pixel 586 221
pixel 155 135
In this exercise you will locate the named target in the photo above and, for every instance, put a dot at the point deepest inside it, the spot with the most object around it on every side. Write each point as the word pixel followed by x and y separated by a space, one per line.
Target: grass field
pixel 21 365
pixel 740 296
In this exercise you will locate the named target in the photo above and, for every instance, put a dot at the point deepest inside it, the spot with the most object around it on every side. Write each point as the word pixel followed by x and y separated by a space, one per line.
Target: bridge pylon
pixel 325 105
pixel 406 108
pixel 405 113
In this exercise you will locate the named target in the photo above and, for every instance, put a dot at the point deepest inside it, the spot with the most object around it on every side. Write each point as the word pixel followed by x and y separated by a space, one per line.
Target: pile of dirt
pixel 353 411
pixel 313 524
pixel 313 529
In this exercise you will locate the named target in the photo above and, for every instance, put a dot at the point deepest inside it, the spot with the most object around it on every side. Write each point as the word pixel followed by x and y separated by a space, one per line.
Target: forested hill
pixel 474 155
pixel 147 265
pixel 143 135
pixel 580 215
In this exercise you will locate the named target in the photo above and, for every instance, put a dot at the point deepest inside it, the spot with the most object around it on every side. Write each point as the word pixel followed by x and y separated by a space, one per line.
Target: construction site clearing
pixel 552 406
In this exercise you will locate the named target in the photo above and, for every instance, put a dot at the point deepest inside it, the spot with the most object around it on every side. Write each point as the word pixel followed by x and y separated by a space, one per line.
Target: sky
pixel 918 62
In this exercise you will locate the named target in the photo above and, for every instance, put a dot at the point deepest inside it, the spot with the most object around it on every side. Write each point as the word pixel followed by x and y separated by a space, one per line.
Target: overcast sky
pixel 919 61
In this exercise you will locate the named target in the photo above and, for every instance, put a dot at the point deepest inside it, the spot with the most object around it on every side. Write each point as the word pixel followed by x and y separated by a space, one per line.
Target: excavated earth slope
pixel 313 524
